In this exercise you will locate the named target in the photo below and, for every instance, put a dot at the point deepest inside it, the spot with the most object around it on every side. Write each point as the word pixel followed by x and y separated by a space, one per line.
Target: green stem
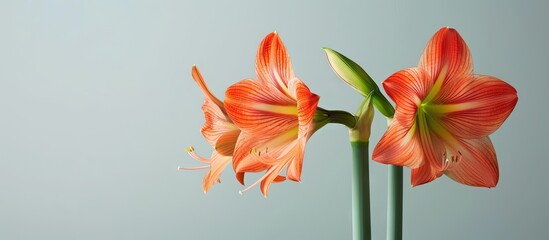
pixel 394 191
pixel 361 192
pixel 323 117
pixel 394 203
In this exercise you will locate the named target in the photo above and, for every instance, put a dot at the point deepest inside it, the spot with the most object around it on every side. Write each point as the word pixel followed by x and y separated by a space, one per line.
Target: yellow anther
pixel 190 149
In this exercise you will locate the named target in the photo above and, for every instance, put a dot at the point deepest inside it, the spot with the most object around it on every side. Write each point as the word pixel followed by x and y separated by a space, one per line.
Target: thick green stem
pixel 361 192
pixel 394 203
pixel 394 191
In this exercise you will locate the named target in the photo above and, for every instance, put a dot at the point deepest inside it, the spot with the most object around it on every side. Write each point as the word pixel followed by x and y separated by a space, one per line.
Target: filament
pixel 193 168
pixel 190 151
pixel 241 192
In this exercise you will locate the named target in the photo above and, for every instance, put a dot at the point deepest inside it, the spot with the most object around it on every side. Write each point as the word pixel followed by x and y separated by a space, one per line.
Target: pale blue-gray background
pixel 97 105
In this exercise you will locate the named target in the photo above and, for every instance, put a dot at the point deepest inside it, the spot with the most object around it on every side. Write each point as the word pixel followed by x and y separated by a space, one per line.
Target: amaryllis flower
pixel 219 131
pixel 444 114
pixel 275 113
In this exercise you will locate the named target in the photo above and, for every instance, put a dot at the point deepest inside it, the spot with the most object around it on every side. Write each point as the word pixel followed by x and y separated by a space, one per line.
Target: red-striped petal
pixel 216 122
pixel 447 49
pixel 197 76
pixel 255 109
pixel 240 177
pixel 243 159
pixel 293 172
pixel 477 107
pixel 407 88
pixel 273 65
pixel 478 164
pixel 307 102
pixel 271 177
pixel 423 175
pixel 226 142
pixel 400 146
pixel 217 165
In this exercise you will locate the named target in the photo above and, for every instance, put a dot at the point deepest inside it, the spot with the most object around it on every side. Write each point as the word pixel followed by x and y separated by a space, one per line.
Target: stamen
pixel 193 168
pixel 190 151
pixel 241 192
pixel 448 162
pixel 445 162
pixel 265 157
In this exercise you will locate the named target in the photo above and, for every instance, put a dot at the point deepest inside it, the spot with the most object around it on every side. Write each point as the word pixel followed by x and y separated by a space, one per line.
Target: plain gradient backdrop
pixel 97 105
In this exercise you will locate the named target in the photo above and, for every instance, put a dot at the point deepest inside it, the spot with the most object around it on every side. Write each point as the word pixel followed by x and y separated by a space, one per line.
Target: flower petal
pixel 272 175
pixel 446 49
pixel 400 146
pixel 243 159
pixel 226 143
pixel 202 84
pixel 216 123
pixel 477 107
pixel 255 109
pixel 293 172
pixel 407 88
pixel 240 177
pixel 273 66
pixel 478 164
pixel 423 175
pixel 307 102
pixel 219 163
pixel 279 179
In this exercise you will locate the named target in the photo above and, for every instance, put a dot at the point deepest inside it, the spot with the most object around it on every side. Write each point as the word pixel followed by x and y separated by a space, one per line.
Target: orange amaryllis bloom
pixel 275 113
pixel 219 131
pixel 444 114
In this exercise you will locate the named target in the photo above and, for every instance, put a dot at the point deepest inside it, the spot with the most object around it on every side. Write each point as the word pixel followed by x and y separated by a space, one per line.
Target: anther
pixel 190 149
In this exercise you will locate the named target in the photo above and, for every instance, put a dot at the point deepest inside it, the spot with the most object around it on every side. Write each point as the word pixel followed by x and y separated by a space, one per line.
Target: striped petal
pixel 434 149
pixel 478 164
pixel 240 177
pixel 216 123
pixel 423 175
pixel 225 144
pixel 270 177
pixel 307 103
pixel 476 107
pixel 399 146
pixel 446 54
pixel 219 162
pixel 197 76
pixel 407 88
pixel 273 66
pixel 255 109
pixel 243 159
pixel 293 172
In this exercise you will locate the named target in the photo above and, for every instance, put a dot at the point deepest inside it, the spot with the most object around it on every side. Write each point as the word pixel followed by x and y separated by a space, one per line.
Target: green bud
pixel 361 131
pixel 351 73
pixel 357 78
